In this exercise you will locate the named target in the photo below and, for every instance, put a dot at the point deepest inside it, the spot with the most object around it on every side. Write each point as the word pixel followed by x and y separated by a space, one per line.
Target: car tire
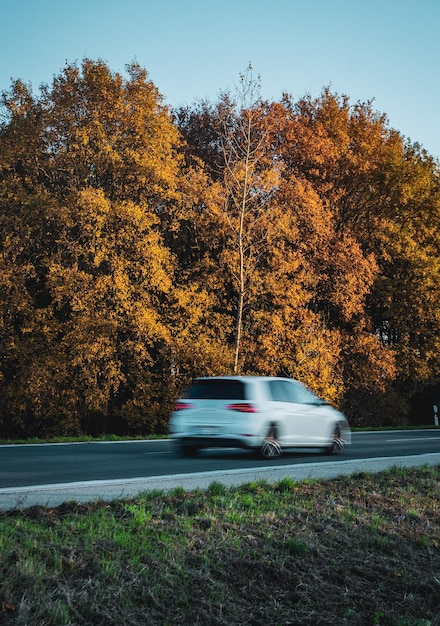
pixel 187 451
pixel 337 443
pixel 271 447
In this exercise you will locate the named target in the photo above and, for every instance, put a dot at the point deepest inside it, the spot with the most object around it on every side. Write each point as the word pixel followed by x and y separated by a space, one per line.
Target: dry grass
pixel 358 550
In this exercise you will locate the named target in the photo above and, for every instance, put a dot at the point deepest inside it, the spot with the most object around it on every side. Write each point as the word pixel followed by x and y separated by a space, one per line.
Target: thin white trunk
pixel 241 275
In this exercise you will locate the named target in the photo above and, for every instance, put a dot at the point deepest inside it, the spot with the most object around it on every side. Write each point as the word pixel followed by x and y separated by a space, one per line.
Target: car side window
pixel 279 391
pixel 303 395
pixel 291 391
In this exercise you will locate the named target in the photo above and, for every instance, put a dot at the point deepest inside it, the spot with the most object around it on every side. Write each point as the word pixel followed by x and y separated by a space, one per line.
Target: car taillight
pixel 243 407
pixel 181 406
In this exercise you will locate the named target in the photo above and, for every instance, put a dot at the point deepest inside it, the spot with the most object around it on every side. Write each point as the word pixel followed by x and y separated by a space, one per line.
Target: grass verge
pixel 357 550
pixel 81 439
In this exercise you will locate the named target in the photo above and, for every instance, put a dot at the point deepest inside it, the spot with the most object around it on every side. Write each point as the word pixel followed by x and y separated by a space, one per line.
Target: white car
pixel 261 413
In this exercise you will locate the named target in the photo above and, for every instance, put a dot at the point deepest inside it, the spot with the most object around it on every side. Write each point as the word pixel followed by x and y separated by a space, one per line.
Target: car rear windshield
pixel 217 390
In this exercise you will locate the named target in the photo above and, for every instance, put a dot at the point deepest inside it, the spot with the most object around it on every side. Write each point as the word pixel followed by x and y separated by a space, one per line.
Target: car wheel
pixel 187 450
pixel 337 443
pixel 271 447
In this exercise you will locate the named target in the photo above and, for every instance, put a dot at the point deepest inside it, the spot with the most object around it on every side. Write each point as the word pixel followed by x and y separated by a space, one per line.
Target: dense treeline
pixel 142 246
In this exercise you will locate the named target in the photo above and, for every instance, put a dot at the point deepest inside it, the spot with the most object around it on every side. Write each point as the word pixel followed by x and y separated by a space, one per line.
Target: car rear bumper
pixel 217 442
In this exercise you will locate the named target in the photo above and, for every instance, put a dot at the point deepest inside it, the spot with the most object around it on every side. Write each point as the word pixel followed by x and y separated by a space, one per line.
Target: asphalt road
pixel 54 473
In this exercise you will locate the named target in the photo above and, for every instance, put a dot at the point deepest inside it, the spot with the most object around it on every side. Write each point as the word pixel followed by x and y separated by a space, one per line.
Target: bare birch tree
pixel 246 187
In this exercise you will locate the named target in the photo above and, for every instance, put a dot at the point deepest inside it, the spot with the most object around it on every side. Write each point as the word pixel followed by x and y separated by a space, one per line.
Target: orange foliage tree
pixel 141 247
pixel 88 344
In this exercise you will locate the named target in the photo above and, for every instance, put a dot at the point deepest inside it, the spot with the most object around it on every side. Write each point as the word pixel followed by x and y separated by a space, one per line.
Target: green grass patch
pixel 80 439
pixel 357 550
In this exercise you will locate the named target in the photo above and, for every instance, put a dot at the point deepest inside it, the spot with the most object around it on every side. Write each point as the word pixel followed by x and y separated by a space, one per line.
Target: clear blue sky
pixel 386 50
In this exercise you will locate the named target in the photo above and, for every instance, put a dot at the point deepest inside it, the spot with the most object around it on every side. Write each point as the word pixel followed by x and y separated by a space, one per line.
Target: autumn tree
pixel 296 281
pixel 23 243
pixel 404 304
pixel 108 132
pixel 139 248
pixel 383 193
pixel 308 278
pixel 88 172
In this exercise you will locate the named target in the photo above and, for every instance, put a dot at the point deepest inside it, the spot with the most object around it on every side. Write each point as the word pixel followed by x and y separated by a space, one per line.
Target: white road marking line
pixel 414 439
